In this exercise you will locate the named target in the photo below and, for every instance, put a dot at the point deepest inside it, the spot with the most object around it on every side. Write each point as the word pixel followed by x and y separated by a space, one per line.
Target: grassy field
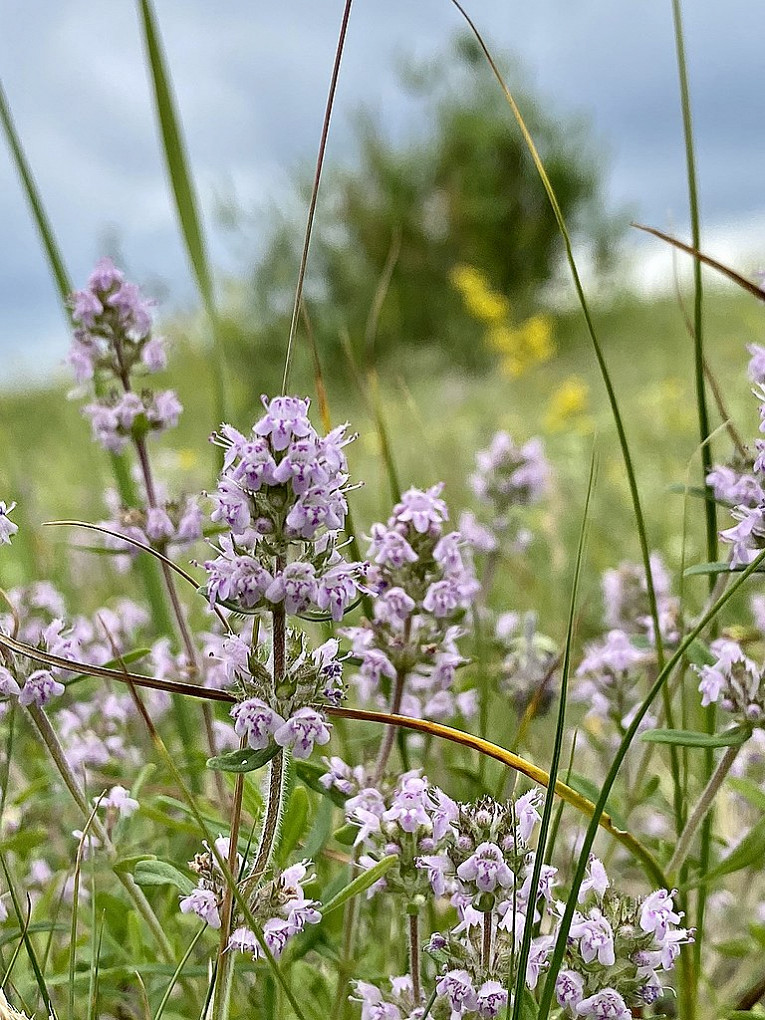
pixel 437 419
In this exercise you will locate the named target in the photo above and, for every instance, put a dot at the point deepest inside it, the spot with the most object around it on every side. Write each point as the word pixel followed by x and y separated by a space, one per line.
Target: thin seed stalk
pixel 701 810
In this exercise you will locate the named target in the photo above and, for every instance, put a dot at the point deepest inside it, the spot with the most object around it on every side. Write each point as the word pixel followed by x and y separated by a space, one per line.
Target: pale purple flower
pixel 164 410
pixel 301 731
pixel 105 427
pixel 596 939
pixel 285 417
pixel 232 507
pixel 569 990
pixel 476 535
pixel 756 365
pixel 408 806
pixel 203 903
pixel 86 308
pixel 40 687
pixel 256 721
pixel 336 589
pixel 373 1005
pixel 438 866
pixel 190 523
pixel 302 912
pixel 595 879
pixel 159 527
pixel 243 940
pixel 300 465
pixel 295 586
pixel 606 1005
pixel 256 465
pixel 657 913
pixel 487 868
pixel 127 409
pixel 394 606
pixel 9 687
pixel 443 598
pixel 491 999
pixel 120 800
pixel 735 487
pixel 390 548
pixel 540 951
pixel 318 506
pixel 457 987
pixel 422 508
pixel 747 536
pixel 526 814
pixel 154 355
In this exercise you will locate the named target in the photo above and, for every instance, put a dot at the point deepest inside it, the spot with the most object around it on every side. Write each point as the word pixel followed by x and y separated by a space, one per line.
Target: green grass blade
pixel 174 979
pixel 181 182
pixel 39 977
pixel 710 515
pixel 49 243
pixel 592 829
pixel 544 828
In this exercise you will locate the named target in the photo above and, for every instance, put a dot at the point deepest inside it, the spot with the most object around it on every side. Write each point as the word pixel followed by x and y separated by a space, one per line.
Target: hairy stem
pixel 488 924
pixel 702 808
pixel 390 733
pixel 414 955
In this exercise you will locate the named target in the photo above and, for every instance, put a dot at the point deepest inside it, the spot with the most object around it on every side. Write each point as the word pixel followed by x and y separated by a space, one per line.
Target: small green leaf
pixel 591 791
pixel 310 773
pixel 698 654
pixel 346 834
pixel 360 884
pixel 127 865
pixel 529 1008
pixel 749 853
pixel 245 760
pixel 689 738
pixel 718 568
pixel 162 873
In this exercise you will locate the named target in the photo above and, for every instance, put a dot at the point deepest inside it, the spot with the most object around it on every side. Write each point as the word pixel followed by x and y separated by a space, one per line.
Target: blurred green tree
pixel 394 224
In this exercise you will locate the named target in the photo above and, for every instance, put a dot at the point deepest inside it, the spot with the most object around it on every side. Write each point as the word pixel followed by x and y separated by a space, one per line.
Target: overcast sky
pixel 251 81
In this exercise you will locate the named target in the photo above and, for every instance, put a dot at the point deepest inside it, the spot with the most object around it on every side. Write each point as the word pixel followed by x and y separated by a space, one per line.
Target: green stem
pixel 702 808
pixel 414 954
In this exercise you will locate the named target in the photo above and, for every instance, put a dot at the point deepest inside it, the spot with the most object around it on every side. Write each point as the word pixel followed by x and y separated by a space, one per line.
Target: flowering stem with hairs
pixel 390 731
pixel 224 973
pixel 488 921
pixel 702 808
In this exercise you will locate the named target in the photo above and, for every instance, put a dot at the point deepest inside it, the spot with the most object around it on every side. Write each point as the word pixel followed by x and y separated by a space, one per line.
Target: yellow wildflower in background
pixel 568 407
pixel 481 301
pixel 520 345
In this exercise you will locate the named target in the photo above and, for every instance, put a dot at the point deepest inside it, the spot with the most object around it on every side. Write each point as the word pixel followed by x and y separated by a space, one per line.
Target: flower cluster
pixel 422 581
pixel 734 682
pixel 409 820
pixel 617 951
pixel 740 484
pixel 112 341
pixel 279 906
pixel 508 478
pixel 529 661
pixel 93 730
pixel 626 605
pixel 281 496
pixel 289 714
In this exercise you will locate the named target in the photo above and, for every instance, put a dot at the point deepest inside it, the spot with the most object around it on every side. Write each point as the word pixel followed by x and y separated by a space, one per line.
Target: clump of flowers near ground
pixel 301 766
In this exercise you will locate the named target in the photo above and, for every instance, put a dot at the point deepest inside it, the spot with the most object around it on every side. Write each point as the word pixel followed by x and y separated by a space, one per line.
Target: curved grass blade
pixel 592 830
pixel 186 204
pixel 539 857
pixel 747 285
pixel 39 977
pixel 49 243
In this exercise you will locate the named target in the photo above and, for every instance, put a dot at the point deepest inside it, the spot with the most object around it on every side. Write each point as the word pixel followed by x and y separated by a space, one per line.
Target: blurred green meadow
pixel 436 417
